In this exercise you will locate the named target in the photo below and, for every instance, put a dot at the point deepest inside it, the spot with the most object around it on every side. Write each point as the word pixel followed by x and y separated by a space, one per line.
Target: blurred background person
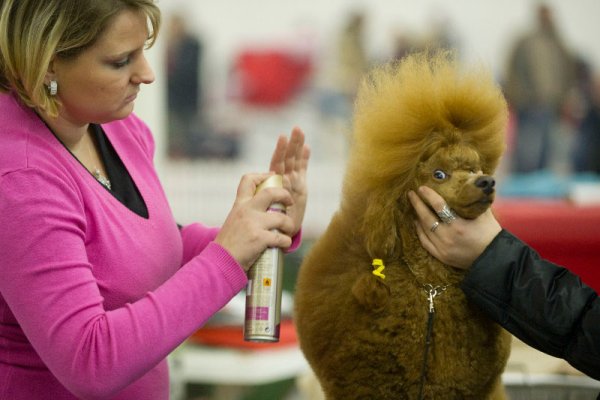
pixel 190 134
pixel 184 88
pixel 341 69
pixel 352 57
pixel 586 155
pixel 539 76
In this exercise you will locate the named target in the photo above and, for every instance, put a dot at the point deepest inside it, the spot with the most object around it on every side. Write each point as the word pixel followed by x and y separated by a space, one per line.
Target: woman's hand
pixel 457 244
pixel 249 228
pixel 290 159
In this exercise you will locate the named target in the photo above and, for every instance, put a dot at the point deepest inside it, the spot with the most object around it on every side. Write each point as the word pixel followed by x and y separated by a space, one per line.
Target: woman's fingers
pixel 436 201
pixel 293 157
pixel 290 155
pixel 278 158
pixel 248 184
pixel 268 196
pixel 250 227
pixel 426 218
pixel 290 159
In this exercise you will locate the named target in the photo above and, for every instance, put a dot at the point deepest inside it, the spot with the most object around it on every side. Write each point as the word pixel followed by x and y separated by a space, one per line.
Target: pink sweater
pixel 93 297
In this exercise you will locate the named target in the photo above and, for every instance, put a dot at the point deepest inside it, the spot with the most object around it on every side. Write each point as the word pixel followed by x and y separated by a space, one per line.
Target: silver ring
pixel 446 215
pixel 434 226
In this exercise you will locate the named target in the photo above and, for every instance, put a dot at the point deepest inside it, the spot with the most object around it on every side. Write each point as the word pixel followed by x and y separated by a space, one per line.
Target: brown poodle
pixel 377 316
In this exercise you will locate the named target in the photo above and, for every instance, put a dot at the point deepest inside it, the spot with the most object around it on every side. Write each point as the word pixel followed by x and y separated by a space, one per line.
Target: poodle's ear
pixel 371 292
pixel 379 225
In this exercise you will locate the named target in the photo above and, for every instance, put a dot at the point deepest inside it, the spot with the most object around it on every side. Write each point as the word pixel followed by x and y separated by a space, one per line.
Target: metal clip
pixel 431 293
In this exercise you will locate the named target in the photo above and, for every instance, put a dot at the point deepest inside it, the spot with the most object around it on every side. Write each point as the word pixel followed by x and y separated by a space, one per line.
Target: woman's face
pixel 101 84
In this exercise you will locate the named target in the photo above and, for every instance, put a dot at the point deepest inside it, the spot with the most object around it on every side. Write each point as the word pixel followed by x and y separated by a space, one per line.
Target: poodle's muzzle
pixel 486 183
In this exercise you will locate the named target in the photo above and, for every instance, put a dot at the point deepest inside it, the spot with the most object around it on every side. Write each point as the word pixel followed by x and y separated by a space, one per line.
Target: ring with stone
pixel 434 226
pixel 446 214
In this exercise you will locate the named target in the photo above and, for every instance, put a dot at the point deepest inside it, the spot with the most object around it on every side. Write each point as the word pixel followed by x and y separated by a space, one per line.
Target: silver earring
pixel 53 88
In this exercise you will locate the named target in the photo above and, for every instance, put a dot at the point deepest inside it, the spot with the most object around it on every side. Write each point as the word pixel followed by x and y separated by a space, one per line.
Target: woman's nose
pixel 143 72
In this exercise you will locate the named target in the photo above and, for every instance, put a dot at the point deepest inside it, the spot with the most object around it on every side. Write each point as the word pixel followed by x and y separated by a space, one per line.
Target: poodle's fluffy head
pixel 422 121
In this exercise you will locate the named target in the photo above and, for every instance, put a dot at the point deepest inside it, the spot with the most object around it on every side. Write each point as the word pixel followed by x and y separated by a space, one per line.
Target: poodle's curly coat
pixel 421 121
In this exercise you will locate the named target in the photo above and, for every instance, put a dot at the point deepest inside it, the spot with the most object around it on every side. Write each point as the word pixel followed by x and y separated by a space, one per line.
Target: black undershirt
pixel 123 187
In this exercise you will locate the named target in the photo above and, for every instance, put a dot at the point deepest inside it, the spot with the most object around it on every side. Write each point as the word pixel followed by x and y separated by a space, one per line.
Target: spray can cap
pixel 271 181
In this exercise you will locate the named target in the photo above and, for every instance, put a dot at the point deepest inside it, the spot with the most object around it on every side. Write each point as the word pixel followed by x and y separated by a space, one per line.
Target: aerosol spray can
pixel 263 292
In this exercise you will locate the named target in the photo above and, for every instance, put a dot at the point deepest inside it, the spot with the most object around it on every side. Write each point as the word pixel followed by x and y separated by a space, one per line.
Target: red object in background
pixel 233 336
pixel 270 77
pixel 564 233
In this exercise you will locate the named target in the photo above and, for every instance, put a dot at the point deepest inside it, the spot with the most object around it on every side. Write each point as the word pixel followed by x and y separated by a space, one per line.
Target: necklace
pixel 104 181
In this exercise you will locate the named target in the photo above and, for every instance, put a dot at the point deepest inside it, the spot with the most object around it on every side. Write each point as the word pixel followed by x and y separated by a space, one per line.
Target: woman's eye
pixel 439 174
pixel 121 64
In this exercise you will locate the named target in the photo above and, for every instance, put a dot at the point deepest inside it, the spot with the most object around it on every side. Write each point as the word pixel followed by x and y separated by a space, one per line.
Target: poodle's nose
pixel 486 183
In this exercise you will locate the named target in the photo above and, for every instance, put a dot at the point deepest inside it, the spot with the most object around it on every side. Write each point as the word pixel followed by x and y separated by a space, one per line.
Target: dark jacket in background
pixel 544 305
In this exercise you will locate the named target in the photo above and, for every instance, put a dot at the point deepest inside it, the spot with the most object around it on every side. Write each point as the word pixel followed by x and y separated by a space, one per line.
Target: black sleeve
pixel 544 305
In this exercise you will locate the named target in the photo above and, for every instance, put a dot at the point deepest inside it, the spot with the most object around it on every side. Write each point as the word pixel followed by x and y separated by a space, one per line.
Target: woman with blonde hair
pixel 97 281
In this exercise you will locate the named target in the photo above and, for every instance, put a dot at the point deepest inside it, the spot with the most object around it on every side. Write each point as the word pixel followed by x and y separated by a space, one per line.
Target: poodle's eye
pixel 439 174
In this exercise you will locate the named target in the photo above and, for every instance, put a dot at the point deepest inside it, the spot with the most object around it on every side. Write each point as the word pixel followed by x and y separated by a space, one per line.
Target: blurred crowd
pixel 553 92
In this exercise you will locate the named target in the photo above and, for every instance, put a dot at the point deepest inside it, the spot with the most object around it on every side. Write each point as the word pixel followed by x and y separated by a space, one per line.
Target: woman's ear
pixel 50 72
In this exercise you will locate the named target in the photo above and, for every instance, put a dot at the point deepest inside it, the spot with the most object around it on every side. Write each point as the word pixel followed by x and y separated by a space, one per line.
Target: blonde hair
pixel 33 32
